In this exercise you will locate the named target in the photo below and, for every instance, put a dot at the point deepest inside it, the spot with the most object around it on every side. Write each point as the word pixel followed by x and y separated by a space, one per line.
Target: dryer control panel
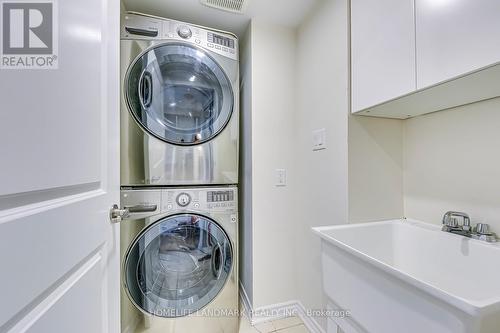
pixel 140 26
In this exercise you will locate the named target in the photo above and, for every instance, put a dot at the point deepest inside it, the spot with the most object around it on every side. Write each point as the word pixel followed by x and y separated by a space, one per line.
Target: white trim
pixel 278 311
pixel 273 312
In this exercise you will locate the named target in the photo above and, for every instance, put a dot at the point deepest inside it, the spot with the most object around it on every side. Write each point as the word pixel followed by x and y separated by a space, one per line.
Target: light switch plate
pixel 319 139
pixel 280 177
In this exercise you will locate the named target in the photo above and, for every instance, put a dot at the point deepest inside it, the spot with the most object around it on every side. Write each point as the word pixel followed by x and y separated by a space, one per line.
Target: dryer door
pixel 179 94
pixel 177 265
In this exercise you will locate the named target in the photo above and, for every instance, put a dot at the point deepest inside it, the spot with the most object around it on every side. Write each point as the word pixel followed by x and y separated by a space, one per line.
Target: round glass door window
pixel 177 265
pixel 179 94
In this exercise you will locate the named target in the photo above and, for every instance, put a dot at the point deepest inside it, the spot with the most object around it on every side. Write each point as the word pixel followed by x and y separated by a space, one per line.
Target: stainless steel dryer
pixel 179 249
pixel 180 103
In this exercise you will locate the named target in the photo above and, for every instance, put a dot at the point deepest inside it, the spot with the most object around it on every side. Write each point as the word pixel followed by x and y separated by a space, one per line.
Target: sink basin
pixel 409 276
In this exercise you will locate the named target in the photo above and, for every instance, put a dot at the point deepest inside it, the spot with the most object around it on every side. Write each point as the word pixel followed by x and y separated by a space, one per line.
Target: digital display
pixel 220 40
pixel 218 196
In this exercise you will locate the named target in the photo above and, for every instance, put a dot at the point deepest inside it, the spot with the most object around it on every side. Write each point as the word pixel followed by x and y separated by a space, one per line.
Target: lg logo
pixel 29 37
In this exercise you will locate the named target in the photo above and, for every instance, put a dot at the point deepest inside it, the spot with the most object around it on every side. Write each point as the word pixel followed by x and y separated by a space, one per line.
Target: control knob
pixel 184 32
pixel 183 199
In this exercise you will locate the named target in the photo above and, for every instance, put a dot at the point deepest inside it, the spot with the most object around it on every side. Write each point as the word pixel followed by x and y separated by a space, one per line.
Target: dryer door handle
pixel 142 32
pixel 145 89
pixel 141 208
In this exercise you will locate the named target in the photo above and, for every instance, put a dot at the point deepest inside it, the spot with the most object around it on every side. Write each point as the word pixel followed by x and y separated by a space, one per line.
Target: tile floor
pixel 286 325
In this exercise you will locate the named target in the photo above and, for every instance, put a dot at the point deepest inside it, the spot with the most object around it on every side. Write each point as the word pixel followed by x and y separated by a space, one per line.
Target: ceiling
pixel 282 12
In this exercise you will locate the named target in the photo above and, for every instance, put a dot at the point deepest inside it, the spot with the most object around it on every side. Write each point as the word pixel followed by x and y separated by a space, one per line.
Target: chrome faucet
pixel 450 223
pixel 481 231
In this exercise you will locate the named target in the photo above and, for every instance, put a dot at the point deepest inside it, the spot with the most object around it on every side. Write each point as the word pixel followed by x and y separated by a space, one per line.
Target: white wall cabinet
pixel 455 37
pixel 412 57
pixel 382 50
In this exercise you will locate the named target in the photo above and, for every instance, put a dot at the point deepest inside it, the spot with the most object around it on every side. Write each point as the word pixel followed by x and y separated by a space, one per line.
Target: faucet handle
pixel 482 232
pixel 483 229
pixel 466 224
pixel 451 222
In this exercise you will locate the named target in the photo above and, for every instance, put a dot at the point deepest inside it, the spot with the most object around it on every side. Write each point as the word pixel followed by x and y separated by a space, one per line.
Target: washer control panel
pixel 143 203
pixel 140 26
pixel 221 199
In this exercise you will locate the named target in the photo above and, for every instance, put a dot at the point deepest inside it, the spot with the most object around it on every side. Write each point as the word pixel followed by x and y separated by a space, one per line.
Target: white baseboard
pixel 312 325
pixel 278 311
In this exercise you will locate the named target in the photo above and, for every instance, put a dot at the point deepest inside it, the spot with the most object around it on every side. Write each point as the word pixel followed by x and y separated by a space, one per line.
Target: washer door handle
pixel 217 266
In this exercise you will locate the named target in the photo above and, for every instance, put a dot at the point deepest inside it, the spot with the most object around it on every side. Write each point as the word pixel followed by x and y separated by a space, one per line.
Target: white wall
pixel 425 166
pixel 269 114
pixel 375 169
pixel 452 162
pixel 273 57
pixel 322 102
pixel 292 84
pixel 372 169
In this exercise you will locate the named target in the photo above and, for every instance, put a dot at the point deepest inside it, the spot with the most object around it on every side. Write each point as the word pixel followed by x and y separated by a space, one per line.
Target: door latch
pixel 116 215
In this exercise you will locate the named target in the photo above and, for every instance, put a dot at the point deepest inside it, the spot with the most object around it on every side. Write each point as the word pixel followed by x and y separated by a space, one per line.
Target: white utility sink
pixel 409 276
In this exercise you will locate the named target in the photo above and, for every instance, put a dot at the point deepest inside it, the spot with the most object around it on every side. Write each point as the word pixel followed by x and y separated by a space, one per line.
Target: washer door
pixel 177 265
pixel 179 94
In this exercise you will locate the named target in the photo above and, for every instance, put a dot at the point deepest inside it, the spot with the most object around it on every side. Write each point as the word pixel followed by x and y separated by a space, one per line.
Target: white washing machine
pixel 179 250
pixel 179 105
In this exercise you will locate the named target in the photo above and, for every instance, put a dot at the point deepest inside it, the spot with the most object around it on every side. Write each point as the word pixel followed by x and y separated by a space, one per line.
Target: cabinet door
pixel 382 51
pixel 455 37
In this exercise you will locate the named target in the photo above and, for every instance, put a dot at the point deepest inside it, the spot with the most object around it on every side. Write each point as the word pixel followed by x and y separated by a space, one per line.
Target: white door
pixel 59 175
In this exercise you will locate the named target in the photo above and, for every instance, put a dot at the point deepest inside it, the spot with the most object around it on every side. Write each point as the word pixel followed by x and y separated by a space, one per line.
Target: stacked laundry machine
pixel 179 176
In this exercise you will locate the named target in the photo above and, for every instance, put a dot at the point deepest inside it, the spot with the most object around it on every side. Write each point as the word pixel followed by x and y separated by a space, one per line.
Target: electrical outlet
pixel 280 177
pixel 319 139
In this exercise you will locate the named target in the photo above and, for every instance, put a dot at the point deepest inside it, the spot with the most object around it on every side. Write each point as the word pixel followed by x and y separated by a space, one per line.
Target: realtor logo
pixel 29 35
